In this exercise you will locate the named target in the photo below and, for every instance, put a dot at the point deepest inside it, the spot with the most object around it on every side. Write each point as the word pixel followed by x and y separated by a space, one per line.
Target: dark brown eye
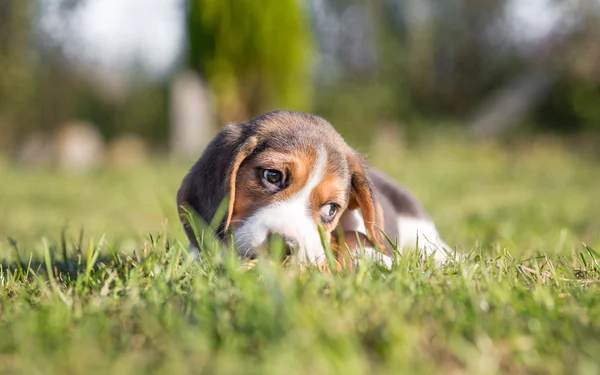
pixel 328 212
pixel 273 177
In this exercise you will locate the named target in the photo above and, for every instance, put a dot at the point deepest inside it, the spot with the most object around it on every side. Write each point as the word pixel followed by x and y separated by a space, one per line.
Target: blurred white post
pixel 192 115
pixel 79 146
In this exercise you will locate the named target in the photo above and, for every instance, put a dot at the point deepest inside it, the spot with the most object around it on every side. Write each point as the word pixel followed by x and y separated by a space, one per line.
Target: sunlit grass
pixel 124 297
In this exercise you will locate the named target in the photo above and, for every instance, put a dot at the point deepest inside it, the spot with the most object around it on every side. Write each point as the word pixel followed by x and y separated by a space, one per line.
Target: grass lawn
pixel 94 278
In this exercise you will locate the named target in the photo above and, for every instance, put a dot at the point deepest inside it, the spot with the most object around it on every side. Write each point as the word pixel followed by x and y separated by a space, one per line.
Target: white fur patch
pixel 289 218
pixel 412 232
pixel 422 233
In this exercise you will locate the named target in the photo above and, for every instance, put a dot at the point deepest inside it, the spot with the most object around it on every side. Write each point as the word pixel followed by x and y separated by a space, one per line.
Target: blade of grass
pixel 15 246
pixel 53 283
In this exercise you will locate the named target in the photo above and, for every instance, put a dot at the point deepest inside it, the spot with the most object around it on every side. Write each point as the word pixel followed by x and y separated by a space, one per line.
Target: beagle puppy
pixel 287 173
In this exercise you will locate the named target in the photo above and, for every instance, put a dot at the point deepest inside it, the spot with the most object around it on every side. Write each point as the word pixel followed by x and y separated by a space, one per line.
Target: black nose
pixel 290 244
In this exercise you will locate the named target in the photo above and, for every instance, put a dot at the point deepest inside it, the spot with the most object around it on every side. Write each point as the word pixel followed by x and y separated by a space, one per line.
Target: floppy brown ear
pixel 361 196
pixel 212 178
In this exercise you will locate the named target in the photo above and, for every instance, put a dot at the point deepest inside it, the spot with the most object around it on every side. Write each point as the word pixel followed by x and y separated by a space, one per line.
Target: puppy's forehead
pixel 296 132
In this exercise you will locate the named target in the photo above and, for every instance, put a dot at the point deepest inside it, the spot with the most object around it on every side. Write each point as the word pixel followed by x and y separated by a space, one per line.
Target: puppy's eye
pixel 328 212
pixel 273 177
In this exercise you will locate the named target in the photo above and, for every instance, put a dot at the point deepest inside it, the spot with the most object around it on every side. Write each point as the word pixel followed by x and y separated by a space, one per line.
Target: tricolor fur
pixel 286 174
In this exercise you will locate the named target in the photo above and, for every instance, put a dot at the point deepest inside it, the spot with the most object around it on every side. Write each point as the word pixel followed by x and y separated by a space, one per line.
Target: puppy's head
pixel 286 174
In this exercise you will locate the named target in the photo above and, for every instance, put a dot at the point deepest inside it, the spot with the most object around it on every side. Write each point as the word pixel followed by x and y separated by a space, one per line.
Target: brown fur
pixel 344 248
pixel 361 196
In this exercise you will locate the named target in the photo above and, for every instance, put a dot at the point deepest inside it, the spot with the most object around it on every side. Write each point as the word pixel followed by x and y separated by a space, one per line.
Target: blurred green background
pixel 489 68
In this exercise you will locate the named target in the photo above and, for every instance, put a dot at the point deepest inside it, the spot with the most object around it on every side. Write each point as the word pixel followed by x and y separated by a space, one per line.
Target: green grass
pixel 122 297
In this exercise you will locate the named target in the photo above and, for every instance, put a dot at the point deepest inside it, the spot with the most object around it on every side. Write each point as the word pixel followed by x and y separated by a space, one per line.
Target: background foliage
pixel 254 56
pixel 410 64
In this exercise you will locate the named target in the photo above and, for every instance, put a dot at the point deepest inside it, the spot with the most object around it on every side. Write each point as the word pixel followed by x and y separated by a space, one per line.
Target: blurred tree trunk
pixel 17 62
pixel 507 107
pixel 254 55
